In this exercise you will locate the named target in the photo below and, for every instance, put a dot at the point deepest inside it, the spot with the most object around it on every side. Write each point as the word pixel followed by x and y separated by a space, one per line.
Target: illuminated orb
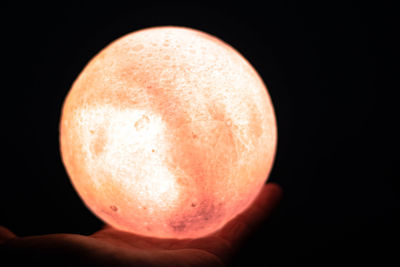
pixel 168 132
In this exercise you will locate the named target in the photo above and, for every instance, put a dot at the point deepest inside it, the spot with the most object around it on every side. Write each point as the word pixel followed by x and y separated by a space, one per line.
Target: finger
pixel 259 210
pixel 5 234
pixel 263 206
pixel 106 227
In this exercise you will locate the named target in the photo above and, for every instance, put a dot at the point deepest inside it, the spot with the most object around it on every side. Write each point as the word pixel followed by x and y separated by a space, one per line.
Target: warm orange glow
pixel 168 132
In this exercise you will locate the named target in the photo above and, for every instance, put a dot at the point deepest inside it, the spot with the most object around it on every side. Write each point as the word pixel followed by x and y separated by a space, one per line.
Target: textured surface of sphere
pixel 168 132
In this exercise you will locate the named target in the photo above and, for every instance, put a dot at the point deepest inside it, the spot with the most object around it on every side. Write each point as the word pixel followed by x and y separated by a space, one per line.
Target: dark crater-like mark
pixel 178 226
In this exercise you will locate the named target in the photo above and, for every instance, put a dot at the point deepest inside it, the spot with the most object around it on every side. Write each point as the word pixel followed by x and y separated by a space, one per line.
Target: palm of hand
pixel 111 247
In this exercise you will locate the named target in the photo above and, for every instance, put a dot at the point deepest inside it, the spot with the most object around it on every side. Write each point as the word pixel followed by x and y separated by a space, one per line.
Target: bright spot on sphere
pixel 168 132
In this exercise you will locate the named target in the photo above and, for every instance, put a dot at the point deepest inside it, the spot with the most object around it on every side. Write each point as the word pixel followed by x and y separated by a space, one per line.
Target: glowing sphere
pixel 168 132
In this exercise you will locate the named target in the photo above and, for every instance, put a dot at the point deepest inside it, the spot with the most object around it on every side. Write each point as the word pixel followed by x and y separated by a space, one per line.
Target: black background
pixel 326 68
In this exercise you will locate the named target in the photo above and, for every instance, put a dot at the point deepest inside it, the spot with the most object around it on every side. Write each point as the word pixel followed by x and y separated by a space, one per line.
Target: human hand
pixel 111 247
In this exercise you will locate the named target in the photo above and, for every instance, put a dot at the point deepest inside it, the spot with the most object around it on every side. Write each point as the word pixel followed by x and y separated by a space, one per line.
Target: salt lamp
pixel 168 132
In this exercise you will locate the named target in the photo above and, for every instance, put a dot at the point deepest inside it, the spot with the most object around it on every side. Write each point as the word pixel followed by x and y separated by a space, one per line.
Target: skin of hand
pixel 111 247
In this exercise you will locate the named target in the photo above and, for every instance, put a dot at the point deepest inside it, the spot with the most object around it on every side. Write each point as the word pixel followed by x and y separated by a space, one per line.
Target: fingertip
pixel 274 189
pixel 261 208
pixel 270 195
pixel 5 234
pixel 106 226
pixel 264 205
